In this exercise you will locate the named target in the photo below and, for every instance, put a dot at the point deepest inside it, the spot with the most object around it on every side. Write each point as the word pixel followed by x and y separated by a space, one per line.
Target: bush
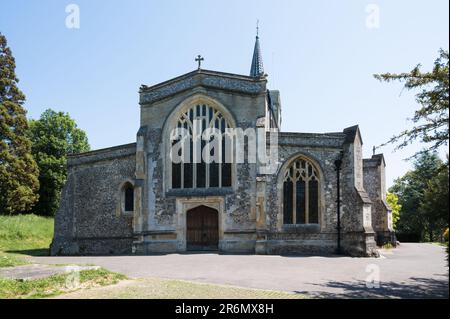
pixel 446 235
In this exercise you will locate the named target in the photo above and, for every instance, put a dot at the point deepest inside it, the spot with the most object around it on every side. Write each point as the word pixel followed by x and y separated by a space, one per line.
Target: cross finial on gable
pixel 199 59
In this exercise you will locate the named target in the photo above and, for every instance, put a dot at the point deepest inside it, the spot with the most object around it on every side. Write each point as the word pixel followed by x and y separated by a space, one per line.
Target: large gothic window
pixel 193 171
pixel 301 193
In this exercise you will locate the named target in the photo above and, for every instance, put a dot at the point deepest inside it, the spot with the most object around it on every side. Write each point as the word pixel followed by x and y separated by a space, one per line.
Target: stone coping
pixel 333 140
pixel 102 154
pixel 204 78
pixel 145 88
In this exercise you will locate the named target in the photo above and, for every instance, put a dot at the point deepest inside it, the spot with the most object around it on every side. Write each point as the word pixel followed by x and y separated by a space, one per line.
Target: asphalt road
pixel 409 271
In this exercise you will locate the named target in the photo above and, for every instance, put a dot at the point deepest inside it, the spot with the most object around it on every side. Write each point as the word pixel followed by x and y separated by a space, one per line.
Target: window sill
pixel 191 192
pixel 128 213
pixel 301 228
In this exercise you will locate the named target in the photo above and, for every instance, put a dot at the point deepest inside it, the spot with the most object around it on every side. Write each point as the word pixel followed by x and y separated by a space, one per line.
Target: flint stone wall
pixel 90 220
pixel 323 150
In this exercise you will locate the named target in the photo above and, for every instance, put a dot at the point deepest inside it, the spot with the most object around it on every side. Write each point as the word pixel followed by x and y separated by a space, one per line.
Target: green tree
pixel 392 200
pixel 411 189
pixel 18 171
pixel 54 135
pixel 431 121
pixel 435 204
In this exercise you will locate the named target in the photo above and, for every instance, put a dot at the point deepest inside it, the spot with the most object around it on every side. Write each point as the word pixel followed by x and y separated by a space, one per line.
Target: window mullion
pixel 207 174
pixel 294 200
pixel 182 174
pixel 194 168
pixel 220 154
pixel 307 201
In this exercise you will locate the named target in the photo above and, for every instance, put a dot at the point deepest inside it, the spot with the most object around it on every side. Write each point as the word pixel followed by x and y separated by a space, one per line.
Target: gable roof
pixel 206 78
pixel 351 133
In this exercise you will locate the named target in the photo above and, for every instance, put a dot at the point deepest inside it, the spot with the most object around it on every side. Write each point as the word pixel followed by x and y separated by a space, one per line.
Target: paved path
pixel 409 271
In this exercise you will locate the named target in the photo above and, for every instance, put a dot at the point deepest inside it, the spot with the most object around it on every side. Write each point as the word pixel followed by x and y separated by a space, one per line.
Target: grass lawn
pixel 57 284
pixel 159 288
pixel 23 235
pixel 30 235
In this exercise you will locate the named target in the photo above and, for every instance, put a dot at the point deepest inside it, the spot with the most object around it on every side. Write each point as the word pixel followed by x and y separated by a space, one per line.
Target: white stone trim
pixel 184 204
pixel 121 199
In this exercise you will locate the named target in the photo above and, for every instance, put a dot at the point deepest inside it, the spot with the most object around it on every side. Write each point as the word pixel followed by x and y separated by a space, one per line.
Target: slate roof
pixel 257 68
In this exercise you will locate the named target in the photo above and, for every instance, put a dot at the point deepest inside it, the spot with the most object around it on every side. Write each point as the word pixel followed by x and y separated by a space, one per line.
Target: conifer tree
pixel 18 170
pixel 431 119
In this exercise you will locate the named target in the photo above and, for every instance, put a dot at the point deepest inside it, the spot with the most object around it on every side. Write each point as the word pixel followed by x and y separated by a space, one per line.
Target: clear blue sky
pixel 319 54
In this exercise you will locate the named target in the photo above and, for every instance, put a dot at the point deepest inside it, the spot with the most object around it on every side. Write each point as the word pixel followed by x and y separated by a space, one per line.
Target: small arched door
pixel 202 228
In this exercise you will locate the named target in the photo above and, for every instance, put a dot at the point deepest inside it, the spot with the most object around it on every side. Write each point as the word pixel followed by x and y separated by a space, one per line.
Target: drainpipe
pixel 338 164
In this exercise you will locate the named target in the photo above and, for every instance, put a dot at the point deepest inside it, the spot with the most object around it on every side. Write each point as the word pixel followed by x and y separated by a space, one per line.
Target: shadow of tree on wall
pixel 414 288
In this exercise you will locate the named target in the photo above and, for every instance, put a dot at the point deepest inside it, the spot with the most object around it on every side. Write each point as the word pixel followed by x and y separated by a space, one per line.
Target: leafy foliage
pixel 431 120
pixel 423 196
pixel 435 203
pixel 54 135
pixel 18 170
pixel 392 200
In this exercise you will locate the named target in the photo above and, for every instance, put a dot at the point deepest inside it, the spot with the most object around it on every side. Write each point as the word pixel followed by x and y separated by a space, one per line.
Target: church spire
pixel 257 68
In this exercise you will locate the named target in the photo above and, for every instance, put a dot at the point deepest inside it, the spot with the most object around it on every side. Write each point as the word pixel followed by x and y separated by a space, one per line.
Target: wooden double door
pixel 202 231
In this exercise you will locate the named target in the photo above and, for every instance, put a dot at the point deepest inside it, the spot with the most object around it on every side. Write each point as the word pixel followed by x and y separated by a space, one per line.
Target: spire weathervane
pixel 257 28
pixel 199 59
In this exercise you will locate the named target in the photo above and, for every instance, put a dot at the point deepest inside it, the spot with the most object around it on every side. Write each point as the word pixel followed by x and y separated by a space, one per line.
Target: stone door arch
pixel 202 228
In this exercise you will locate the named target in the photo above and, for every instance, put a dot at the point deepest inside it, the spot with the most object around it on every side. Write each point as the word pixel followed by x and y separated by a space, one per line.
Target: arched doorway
pixel 202 231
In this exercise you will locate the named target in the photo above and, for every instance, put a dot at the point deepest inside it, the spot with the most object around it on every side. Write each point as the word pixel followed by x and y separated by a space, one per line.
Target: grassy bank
pixel 30 235
pixel 57 284
pixel 22 236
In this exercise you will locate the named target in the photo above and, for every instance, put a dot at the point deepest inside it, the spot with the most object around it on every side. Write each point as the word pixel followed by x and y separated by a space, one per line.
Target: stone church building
pixel 321 196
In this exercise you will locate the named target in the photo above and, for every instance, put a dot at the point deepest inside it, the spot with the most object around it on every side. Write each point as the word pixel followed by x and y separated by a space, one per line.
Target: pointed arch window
pixel 301 193
pixel 193 171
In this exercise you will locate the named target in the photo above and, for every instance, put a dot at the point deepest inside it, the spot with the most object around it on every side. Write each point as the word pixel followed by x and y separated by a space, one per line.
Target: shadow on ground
pixel 31 252
pixel 415 288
